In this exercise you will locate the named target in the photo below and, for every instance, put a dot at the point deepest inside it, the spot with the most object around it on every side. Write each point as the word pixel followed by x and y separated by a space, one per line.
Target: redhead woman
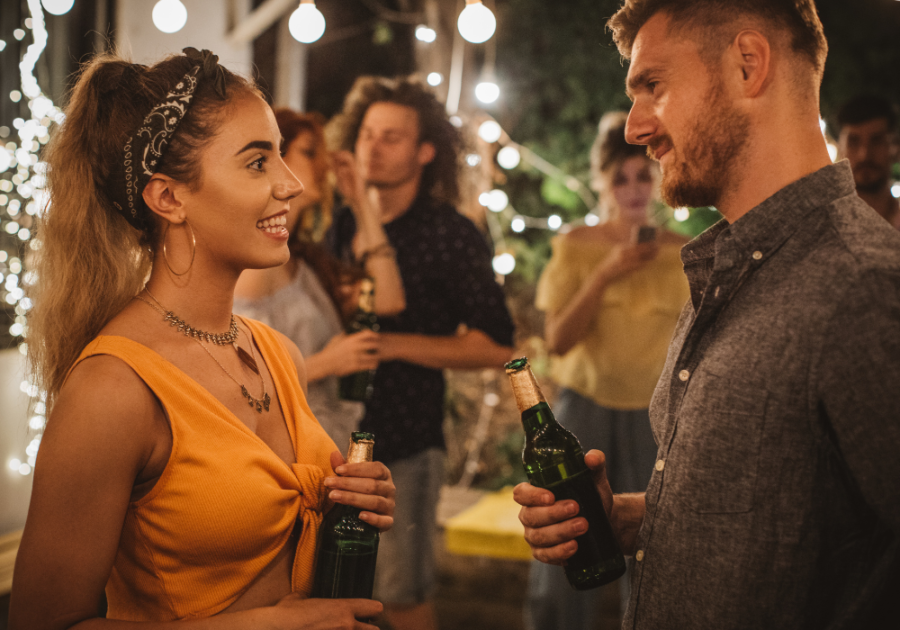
pixel 307 298
pixel 612 294
pixel 181 470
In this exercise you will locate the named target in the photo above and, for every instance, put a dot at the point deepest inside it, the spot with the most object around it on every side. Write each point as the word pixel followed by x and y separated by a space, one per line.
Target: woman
pixel 611 305
pixel 181 468
pixel 305 299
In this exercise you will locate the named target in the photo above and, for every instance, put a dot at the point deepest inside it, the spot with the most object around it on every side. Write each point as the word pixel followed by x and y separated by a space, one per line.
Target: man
pixel 406 149
pixel 870 142
pixel 774 502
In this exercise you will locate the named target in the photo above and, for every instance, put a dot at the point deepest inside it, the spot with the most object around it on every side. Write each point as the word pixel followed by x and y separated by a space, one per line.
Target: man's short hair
pixel 440 178
pixel 797 17
pixel 865 107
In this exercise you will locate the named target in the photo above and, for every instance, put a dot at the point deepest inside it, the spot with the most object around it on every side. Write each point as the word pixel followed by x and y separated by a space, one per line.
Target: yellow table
pixel 490 528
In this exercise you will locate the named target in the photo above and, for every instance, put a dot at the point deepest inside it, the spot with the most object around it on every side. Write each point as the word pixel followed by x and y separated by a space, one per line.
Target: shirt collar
pixel 764 228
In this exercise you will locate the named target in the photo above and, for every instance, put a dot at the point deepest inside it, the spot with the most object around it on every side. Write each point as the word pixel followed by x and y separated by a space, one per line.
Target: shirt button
pixel 684 375
pixel 757 255
pixel 639 555
pixel 660 464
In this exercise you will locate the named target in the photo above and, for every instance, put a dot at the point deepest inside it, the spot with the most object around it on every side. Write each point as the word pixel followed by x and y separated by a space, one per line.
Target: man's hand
pixel 551 526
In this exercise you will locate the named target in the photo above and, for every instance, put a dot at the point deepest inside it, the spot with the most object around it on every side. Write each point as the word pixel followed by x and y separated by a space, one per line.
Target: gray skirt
pixel 627 441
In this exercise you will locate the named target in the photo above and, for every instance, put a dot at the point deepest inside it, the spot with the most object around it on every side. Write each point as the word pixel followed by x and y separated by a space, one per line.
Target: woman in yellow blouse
pixel 612 294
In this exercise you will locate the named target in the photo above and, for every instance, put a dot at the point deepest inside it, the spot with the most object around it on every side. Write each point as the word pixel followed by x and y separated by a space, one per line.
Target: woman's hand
pixel 626 259
pixel 368 486
pixel 345 354
pixel 295 613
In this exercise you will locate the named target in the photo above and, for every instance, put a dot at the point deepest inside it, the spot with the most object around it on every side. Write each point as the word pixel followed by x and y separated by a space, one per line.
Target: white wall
pixel 208 22
pixel 15 489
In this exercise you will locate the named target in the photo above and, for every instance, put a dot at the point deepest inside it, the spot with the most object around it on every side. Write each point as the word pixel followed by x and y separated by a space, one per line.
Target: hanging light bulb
pixel 509 157
pixel 57 7
pixel 504 263
pixel 487 92
pixel 435 79
pixel 554 222
pixel 476 22
pixel 425 34
pixel 517 225
pixel 490 131
pixel 497 200
pixel 169 16
pixel 307 24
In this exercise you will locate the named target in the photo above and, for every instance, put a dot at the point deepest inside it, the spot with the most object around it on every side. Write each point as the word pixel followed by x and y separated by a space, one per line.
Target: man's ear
pixel 426 153
pixel 752 53
pixel 163 195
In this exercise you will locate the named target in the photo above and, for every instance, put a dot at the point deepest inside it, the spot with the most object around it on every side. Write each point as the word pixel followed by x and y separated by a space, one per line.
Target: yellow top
pixel 226 504
pixel 618 362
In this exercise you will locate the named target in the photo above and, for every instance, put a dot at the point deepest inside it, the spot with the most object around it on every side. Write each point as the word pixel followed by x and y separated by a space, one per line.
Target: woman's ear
pixel 163 195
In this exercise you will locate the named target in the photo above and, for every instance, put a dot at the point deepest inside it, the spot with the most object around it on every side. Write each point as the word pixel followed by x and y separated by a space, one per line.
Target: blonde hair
pixel 91 261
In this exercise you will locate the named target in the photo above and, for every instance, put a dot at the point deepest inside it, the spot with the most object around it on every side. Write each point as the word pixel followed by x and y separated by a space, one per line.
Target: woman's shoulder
pixel 592 235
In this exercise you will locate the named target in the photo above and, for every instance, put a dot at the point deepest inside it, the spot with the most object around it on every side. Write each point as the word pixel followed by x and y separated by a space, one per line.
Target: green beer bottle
pixel 358 386
pixel 554 460
pixel 348 547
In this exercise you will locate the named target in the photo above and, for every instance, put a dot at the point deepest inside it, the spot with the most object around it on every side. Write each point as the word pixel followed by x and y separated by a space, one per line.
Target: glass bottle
pixel 554 460
pixel 358 386
pixel 348 546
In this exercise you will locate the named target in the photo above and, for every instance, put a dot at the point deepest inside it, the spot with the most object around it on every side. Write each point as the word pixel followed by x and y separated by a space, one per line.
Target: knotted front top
pixel 226 504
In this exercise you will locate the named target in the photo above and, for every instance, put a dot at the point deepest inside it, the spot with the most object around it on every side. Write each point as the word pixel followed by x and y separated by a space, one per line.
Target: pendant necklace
pixel 220 339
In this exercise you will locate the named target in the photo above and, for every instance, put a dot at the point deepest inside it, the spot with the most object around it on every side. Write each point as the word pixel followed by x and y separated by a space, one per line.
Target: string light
pixel 307 24
pixel 487 92
pixel 425 34
pixel 476 23
pixel 509 157
pixel 490 131
pixel 169 16
pixel 435 79
pixel 23 196
pixel 58 7
pixel 504 263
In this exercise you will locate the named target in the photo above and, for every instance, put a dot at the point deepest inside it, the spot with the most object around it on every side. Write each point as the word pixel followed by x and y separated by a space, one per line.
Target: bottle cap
pixel 524 385
pixel 362 445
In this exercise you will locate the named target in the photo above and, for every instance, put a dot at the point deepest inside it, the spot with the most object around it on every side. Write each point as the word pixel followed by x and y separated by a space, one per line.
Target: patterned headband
pixel 144 150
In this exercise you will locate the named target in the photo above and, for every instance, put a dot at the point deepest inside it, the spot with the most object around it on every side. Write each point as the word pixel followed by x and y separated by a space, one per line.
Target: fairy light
pixel 23 178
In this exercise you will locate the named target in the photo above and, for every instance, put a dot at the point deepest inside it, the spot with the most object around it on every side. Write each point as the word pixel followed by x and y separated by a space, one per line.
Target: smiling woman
pixel 197 488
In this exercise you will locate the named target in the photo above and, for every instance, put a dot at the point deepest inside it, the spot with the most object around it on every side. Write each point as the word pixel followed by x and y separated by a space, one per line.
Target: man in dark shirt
pixel 774 502
pixel 455 317
pixel 870 141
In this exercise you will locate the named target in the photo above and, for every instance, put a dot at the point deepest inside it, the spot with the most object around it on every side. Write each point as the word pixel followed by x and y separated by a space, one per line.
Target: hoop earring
pixel 193 249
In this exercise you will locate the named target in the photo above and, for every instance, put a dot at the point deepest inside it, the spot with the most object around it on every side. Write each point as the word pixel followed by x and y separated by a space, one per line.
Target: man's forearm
pixel 473 349
pixel 626 518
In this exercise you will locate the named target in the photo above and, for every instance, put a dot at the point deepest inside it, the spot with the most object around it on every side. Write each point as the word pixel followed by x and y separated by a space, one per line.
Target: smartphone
pixel 644 234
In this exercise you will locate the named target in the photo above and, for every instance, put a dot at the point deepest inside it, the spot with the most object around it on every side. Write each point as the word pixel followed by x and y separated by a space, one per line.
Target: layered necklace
pixel 220 339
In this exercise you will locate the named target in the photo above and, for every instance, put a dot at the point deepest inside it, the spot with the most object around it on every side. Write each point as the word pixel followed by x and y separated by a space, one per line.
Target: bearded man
pixel 773 501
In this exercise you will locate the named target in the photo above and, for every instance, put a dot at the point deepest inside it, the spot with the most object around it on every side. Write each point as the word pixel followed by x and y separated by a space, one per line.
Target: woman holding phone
pixel 612 294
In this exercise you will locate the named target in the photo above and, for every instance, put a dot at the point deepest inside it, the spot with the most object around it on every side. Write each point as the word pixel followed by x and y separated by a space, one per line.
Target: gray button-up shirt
pixel 775 502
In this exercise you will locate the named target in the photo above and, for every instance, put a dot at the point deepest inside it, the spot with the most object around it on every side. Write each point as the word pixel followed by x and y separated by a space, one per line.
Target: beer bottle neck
pixel 360 451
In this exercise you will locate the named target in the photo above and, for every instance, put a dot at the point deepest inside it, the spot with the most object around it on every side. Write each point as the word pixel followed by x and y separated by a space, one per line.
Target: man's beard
pixel 705 163
pixel 870 186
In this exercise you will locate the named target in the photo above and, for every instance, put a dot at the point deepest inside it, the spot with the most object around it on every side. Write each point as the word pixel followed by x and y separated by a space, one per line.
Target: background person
pixel 773 502
pixel 455 316
pixel 307 299
pixel 611 306
pixel 156 480
pixel 869 139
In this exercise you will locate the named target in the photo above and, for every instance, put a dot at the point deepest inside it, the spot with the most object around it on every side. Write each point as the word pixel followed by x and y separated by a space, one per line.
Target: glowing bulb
pixel 58 7
pixel 307 24
pixel 473 159
pixel 895 191
pixel 517 225
pixel 591 219
pixel 435 79
pixel 456 121
pixel 682 214
pixel 487 92
pixel 484 198
pixel 490 131
pixel 5 159
pixel 554 222
pixel 169 16
pixel 425 34
pixel 508 157
pixel 497 200
pixel 504 264
pixel 476 22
